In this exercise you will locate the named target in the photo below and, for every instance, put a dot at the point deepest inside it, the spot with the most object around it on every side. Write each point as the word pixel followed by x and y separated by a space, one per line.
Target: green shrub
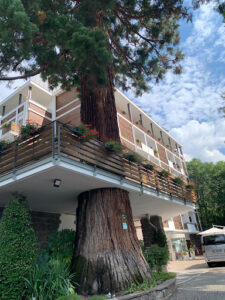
pixel 190 186
pixel 165 173
pixel 18 248
pixel 49 280
pixel 113 146
pixel 157 257
pixel 132 156
pixel 178 181
pixel 3 146
pixel 148 166
pixel 85 132
pixel 162 276
pixel 70 297
pixel 27 130
pixel 60 245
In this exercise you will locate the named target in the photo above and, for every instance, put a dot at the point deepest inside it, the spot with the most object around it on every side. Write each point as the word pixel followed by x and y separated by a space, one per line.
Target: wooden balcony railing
pixel 58 140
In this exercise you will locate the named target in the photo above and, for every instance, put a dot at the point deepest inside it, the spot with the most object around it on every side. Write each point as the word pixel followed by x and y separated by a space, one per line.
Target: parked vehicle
pixel 213 247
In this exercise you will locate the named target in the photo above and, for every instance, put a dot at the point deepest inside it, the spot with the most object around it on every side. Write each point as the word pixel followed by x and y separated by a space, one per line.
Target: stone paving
pixel 198 282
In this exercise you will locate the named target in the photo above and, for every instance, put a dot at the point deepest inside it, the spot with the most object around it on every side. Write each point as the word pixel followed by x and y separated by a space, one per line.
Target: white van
pixel 213 247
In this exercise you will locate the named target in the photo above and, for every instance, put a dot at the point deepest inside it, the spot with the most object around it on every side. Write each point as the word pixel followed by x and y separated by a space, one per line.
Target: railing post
pixel 53 140
pixel 15 156
pixel 59 140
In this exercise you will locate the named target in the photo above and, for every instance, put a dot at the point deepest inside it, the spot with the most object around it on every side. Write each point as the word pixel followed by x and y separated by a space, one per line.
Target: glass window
pixel 214 239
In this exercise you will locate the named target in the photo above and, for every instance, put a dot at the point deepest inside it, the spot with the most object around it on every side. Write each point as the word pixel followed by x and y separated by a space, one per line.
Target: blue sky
pixel 187 105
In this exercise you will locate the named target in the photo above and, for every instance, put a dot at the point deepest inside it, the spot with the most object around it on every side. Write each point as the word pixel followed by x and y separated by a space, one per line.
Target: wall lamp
pixel 57 182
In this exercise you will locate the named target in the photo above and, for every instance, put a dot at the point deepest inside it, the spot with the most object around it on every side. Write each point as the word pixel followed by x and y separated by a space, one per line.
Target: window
pixel 214 239
pixel 20 99
pixel 3 110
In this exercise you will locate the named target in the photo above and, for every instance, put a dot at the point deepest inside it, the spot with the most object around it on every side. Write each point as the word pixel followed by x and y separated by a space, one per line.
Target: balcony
pixel 67 145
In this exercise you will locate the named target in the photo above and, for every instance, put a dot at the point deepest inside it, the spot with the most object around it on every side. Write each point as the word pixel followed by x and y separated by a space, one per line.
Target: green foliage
pixel 68 40
pixel 149 167
pixel 162 276
pixel 132 156
pixel 49 280
pixel 157 278
pixel 27 130
pixel 165 173
pixel 84 132
pixel 18 248
pixel 6 124
pixel 190 186
pixel 178 181
pixel 157 257
pixel 60 246
pixel 160 239
pixel 139 287
pixel 77 297
pixel 210 181
pixel 113 146
pixel 3 146
pixel 70 297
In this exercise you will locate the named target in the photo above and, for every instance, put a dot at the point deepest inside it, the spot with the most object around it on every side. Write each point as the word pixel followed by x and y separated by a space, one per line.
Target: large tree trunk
pixel 98 107
pixel 107 255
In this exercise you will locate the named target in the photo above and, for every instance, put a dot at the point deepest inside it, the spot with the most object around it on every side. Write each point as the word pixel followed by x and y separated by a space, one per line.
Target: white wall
pixel 67 222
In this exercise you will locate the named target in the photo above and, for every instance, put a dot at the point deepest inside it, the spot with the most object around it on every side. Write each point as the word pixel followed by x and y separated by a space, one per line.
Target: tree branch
pixel 25 76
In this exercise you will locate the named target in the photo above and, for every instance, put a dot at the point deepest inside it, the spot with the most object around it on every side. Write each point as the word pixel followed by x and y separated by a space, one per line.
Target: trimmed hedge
pixel 18 248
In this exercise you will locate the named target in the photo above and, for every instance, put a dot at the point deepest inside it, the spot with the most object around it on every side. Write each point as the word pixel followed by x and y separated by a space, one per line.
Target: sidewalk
pixel 186 270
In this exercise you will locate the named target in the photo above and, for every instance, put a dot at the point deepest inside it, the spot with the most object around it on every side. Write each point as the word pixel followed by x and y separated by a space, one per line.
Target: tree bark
pixel 98 107
pixel 107 255
pixel 151 226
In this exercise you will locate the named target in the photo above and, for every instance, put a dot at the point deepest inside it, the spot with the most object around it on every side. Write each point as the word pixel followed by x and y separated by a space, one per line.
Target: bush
pixel 49 280
pixel 113 146
pixel 70 297
pixel 157 257
pixel 165 173
pixel 18 248
pixel 85 133
pixel 148 166
pixel 190 186
pixel 132 156
pixel 60 245
pixel 178 181
pixel 27 130
pixel 3 146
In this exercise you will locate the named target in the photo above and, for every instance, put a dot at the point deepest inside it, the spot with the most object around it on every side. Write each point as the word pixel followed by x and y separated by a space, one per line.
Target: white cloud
pixel 202 140
pixel 187 105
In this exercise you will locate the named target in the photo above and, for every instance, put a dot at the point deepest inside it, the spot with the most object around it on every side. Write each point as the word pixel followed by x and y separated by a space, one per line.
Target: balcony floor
pixel 36 182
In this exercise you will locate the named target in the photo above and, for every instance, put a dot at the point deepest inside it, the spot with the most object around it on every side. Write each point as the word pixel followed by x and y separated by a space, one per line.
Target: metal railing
pixel 58 140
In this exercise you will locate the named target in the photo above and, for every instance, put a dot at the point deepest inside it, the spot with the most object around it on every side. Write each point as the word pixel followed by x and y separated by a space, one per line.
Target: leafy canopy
pixel 210 180
pixel 66 39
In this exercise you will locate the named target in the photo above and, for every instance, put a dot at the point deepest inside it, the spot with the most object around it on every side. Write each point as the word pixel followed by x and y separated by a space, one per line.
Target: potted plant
pixel 6 124
pixel 124 112
pixel 148 166
pixel 164 173
pixel 185 255
pixel 138 141
pixel 84 132
pixel 27 130
pixel 113 146
pixel 190 186
pixel 178 181
pixel 3 146
pixel 137 122
pixel 155 151
pixel 132 156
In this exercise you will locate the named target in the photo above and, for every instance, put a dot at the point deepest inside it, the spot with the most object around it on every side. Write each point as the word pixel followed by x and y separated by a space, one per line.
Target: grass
pixel 157 278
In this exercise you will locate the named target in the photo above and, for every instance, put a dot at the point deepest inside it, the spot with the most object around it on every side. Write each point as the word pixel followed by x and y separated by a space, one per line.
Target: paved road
pixel 198 282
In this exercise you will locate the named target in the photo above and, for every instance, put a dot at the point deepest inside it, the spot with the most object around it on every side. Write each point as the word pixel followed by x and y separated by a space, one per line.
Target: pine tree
pixel 18 248
pixel 95 45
